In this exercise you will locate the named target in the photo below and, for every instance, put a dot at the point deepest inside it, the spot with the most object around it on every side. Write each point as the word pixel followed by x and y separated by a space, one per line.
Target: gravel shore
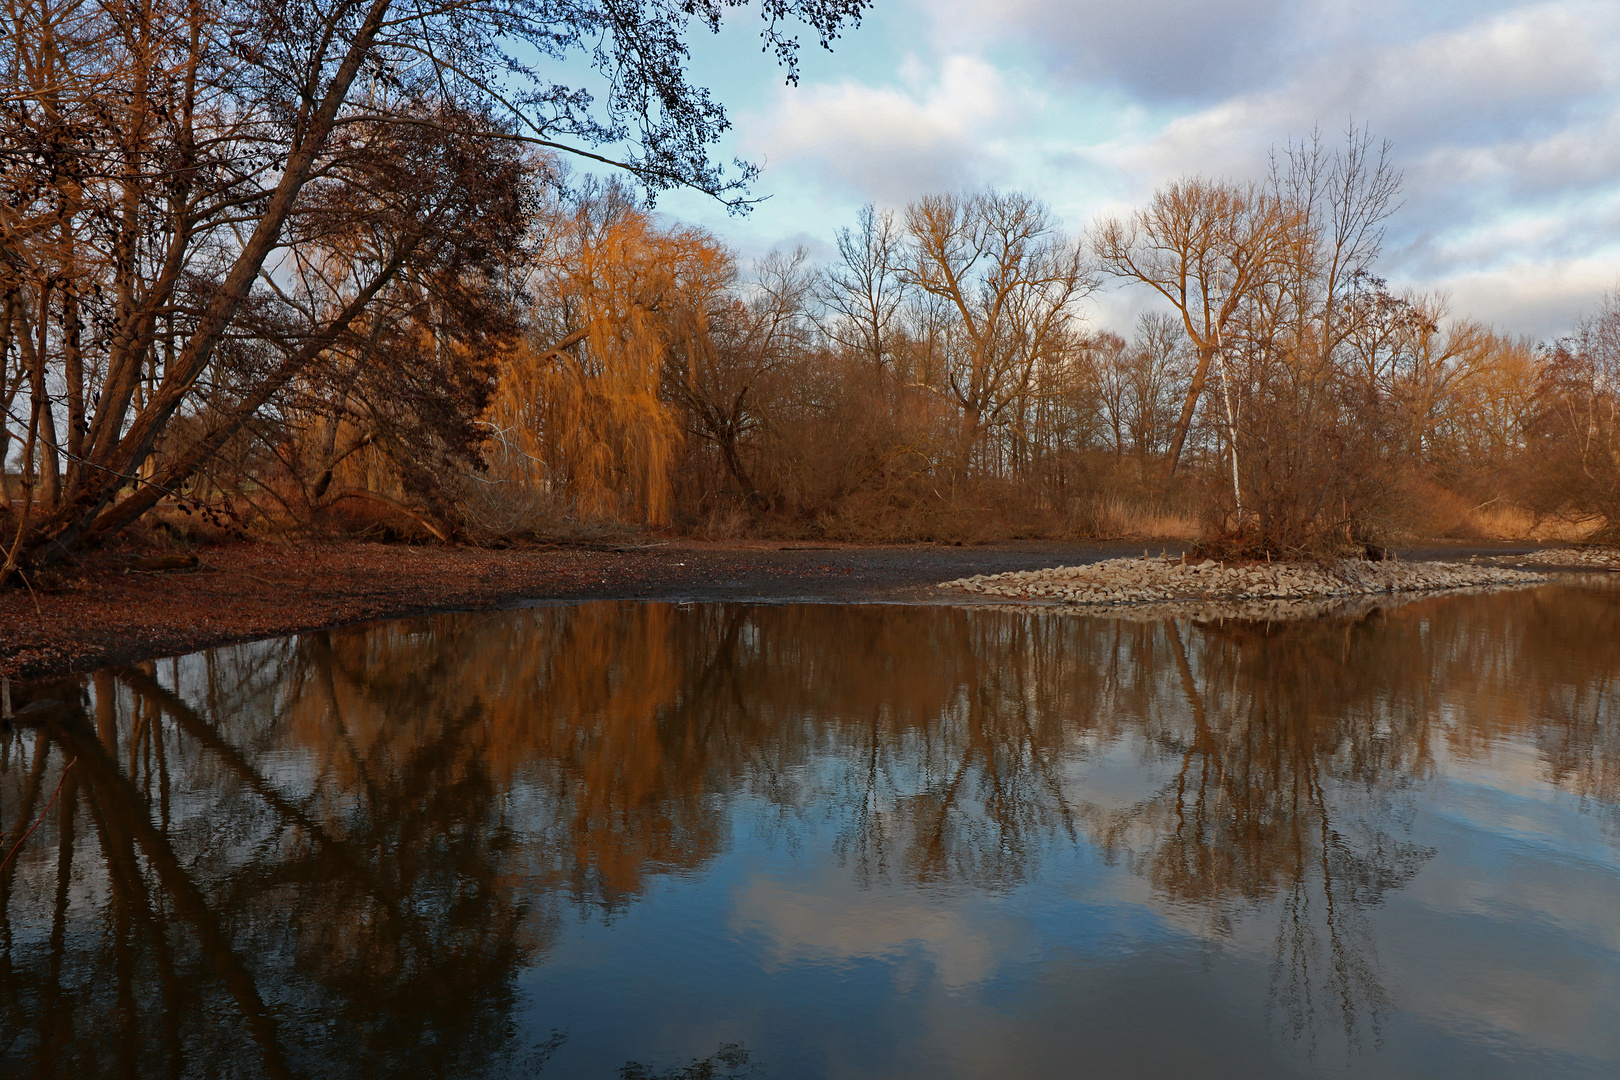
pixel 1599 558
pixel 1165 579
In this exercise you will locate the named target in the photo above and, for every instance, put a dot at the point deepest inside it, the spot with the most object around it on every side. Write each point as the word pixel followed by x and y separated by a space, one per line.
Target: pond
pixel 800 840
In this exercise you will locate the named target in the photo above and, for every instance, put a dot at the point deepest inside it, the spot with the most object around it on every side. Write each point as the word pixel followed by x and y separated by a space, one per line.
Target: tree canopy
pixel 206 201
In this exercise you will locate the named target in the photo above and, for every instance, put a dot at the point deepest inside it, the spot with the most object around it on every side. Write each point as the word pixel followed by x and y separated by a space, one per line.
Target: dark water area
pixel 654 840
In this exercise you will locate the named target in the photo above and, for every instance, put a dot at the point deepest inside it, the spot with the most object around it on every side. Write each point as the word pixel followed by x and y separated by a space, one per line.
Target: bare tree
pixel 1343 196
pixel 1577 424
pixel 722 378
pixel 1273 283
pixel 1009 282
pixel 1134 384
pixel 1208 247
pixel 863 293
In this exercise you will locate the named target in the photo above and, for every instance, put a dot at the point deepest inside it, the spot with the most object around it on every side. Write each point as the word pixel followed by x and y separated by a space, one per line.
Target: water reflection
pixel 339 854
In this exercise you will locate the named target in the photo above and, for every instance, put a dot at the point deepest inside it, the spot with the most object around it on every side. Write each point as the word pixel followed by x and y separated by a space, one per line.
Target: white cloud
pixel 1505 117
pixel 1541 299
pixel 889 143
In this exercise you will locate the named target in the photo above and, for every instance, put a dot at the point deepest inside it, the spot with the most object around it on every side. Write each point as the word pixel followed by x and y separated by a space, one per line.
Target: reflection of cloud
pixel 1514 936
pixel 832 921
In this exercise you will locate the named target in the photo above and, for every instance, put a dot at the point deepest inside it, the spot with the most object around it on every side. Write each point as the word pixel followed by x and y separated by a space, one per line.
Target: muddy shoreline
pixel 107 612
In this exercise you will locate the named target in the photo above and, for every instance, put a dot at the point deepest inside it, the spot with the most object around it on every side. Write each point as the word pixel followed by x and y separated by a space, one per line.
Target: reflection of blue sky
pixel 1509 939
pixel 1501 957
pixel 1505 117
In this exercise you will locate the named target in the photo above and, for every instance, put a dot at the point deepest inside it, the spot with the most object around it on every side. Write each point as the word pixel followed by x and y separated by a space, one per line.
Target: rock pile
pixel 1218 609
pixel 1149 580
pixel 1597 557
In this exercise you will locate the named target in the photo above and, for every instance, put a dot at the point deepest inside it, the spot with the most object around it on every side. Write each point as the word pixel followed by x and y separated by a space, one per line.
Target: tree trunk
pixel 1184 422
pixel 117 454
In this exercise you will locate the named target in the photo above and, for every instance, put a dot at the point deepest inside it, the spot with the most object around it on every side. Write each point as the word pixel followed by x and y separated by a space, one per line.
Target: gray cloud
pixel 1505 117
pixel 1167 50
pixel 1508 129
pixel 1189 52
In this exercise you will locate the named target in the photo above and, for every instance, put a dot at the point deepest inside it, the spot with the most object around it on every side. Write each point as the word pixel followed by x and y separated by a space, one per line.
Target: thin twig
pixel 42 814
pixel 27 585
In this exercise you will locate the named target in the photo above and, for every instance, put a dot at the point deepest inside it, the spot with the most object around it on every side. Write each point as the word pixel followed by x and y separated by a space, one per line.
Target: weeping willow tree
pixel 577 413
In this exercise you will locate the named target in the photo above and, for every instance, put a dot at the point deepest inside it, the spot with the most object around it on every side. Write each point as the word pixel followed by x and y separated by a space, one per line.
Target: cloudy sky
pixel 1504 117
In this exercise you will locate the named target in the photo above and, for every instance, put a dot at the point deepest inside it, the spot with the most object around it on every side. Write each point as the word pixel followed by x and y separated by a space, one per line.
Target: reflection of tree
pixel 1294 747
pixel 1574 708
pixel 146 889
pixel 1282 773
pixel 960 782
pixel 1262 807
pixel 333 855
pixel 244 928
pixel 1287 752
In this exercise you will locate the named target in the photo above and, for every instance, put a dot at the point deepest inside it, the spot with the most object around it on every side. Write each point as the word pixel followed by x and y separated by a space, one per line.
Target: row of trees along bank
pixel 445 327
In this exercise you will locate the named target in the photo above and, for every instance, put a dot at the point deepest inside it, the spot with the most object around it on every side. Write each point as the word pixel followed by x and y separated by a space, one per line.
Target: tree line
pixel 267 276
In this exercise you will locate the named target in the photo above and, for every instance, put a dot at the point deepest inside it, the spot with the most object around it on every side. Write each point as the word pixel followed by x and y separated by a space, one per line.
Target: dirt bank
pixel 109 612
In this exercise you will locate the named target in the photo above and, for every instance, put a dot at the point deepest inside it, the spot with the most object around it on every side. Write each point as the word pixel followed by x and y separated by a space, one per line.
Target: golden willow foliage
pixel 578 409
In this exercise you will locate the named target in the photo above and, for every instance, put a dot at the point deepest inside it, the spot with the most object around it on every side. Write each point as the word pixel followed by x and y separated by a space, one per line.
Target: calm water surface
pixel 630 839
